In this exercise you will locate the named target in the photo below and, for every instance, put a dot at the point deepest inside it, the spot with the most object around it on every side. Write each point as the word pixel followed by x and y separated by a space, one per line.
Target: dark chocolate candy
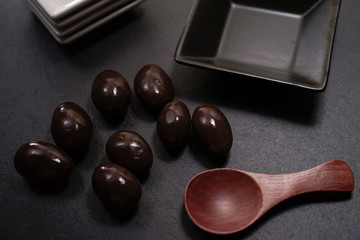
pixel 110 93
pixel 71 127
pixel 117 188
pixel 212 130
pixel 43 163
pixel 174 124
pixel 130 150
pixel 153 87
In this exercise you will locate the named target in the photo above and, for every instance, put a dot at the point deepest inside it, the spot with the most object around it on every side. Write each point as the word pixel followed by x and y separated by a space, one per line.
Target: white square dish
pixel 60 8
pixel 86 29
pixel 93 16
pixel 73 17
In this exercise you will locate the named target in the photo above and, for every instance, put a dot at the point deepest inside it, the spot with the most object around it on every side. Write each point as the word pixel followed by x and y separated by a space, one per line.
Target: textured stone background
pixel 276 129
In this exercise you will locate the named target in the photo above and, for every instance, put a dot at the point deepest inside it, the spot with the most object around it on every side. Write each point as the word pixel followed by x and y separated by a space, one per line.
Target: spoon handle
pixel 334 175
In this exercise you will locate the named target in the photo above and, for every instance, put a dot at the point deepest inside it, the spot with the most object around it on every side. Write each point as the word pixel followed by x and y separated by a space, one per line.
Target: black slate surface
pixel 276 129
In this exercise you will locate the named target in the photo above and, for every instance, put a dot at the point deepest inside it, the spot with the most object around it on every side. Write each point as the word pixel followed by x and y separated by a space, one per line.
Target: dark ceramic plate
pixel 278 40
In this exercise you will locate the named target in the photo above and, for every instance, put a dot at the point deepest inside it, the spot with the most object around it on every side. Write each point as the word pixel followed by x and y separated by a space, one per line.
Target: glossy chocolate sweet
pixel 43 163
pixel 117 188
pixel 153 87
pixel 71 127
pixel 130 150
pixel 110 93
pixel 212 130
pixel 174 124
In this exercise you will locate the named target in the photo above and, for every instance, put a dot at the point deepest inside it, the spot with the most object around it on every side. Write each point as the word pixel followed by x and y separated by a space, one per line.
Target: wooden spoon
pixel 225 201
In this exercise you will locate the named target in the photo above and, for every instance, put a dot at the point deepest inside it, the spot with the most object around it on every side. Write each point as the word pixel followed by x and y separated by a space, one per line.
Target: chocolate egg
pixel 116 187
pixel 174 124
pixel 153 87
pixel 43 163
pixel 71 127
pixel 110 93
pixel 212 130
pixel 130 150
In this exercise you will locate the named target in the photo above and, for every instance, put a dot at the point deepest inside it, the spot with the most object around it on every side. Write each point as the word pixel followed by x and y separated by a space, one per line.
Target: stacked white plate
pixel 68 20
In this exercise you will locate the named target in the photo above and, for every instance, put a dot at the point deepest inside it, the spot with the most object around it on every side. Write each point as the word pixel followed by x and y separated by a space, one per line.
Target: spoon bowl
pixel 216 205
pixel 224 201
